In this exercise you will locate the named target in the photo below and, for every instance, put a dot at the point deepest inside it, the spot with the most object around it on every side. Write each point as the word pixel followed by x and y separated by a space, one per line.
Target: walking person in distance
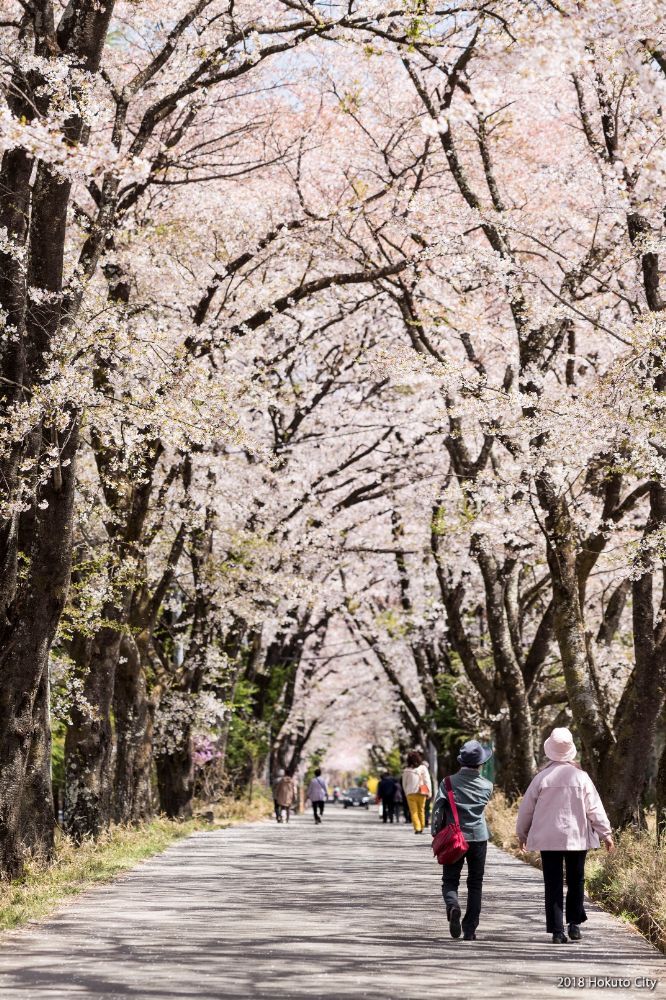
pixel 561 815
pixel 417 787
pixel 471 793
pixel 317 794
pixel 284 794
pixel 386 793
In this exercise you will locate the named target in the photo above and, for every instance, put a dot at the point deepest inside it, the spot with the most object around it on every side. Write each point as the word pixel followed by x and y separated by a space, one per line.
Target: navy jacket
pixel 387 788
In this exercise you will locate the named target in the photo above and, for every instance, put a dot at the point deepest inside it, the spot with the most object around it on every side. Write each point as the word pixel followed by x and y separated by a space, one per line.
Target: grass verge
pixel 630 882
pixel 75 868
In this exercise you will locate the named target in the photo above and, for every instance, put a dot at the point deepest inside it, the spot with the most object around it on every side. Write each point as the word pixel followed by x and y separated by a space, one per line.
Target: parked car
pixel 356 797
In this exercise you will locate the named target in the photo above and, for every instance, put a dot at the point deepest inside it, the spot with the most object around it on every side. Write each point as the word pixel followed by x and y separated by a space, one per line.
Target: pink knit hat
pixel 560 745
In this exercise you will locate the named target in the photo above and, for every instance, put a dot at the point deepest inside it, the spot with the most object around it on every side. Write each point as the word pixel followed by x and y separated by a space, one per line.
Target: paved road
pixel 348 909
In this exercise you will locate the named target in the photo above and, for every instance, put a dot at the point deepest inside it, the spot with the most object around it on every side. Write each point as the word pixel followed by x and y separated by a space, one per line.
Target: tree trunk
pixel 505 777
pixel 89 740
pixel 25 643
pixel 175 780
pixel 660 792
pixel 134 714
pixel 37 803
pixel 519 769
pixel 594 729
pixel 625 768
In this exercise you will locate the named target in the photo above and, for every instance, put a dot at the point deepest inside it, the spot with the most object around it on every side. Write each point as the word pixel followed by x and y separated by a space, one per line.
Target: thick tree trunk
pixel 175 780
pixel 594 729
pixel 37 804
pixel 625 768
pixel 505 778
pixel 25 643
pixel 89 740
pixel 519 770
pixel 134 715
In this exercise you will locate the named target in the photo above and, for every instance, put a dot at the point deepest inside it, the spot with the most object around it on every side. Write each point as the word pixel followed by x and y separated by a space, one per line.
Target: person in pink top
pixel 561 815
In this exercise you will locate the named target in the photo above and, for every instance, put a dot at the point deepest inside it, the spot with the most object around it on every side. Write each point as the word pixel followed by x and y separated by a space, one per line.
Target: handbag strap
pixel 452 800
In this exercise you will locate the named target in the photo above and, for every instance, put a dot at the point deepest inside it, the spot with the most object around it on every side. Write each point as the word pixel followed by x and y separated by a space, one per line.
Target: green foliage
pixel 314 761
pixel 394 623
pixel 382 760
pixel 249 737
pixel 445 721
pixel 350 102
pixel 446 522
pixel 58 733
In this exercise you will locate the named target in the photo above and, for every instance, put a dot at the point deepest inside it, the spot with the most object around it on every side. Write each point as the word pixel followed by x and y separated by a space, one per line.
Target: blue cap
pixel 472 754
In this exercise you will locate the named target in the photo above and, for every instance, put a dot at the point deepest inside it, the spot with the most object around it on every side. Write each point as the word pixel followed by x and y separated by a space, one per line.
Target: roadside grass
pixel 630 882
pixel 78 867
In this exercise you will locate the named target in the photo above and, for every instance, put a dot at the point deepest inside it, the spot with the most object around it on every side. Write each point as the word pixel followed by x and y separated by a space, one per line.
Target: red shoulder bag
pixel 449 845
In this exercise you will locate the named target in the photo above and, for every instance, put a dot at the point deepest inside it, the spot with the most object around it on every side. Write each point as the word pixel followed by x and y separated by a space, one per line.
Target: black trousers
pixel 318 810
pixel 553 880
pixel 388 810
pixel 475 856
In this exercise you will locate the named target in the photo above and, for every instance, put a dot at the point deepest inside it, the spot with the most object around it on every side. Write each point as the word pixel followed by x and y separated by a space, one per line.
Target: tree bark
pixel 134 715
pixel 561 548
pixel 25 642
pixel 89 739
pixel 175 780
pixel 660 792
pixel 519 768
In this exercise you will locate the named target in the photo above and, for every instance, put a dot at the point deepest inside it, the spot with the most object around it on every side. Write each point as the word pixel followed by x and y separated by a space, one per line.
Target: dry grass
pixel 75 868
pixel 630 882
pixel 501 816
pixel 230 810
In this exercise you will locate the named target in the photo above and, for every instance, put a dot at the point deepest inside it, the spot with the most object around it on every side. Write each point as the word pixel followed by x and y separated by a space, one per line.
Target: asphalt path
pixel 351 908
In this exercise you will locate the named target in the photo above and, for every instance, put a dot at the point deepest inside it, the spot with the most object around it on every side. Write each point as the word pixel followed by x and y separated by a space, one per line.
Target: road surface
pixel 351 908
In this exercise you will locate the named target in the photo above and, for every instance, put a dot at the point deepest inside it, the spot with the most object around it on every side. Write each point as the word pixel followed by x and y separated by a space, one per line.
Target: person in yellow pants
pixel 418 788
pixel 417 803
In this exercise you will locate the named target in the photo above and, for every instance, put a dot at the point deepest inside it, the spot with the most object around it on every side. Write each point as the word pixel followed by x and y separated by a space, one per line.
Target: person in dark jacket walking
pixel 386 792
pixel 472 793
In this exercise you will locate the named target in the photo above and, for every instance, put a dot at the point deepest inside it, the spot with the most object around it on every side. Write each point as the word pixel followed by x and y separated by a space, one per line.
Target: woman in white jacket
pixel 561 815
pixel 417 787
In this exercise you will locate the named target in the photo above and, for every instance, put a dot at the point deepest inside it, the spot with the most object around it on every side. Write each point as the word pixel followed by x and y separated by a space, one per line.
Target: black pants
pixel 475 856
pixel 318 810
pixel 553 880
pixel 388 810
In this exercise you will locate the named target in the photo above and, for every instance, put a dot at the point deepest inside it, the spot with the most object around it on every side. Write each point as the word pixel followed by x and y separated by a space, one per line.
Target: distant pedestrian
pixel 471 793
pixel 386 792
pixel 417 786
pixel 401 804
pixel 317 794
pixel 284 795
pixel 561 815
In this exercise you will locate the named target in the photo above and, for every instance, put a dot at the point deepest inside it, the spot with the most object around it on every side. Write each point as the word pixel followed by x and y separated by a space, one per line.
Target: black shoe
pixel 469 936
pixel 560 938
pixel 454 921
pixel 574 932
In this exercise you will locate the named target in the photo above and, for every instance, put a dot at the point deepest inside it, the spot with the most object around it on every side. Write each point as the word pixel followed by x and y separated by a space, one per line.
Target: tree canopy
pixel 332 378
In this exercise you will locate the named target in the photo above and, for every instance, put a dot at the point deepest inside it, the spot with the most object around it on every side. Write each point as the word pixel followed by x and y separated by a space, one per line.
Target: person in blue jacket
pixel 471 792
